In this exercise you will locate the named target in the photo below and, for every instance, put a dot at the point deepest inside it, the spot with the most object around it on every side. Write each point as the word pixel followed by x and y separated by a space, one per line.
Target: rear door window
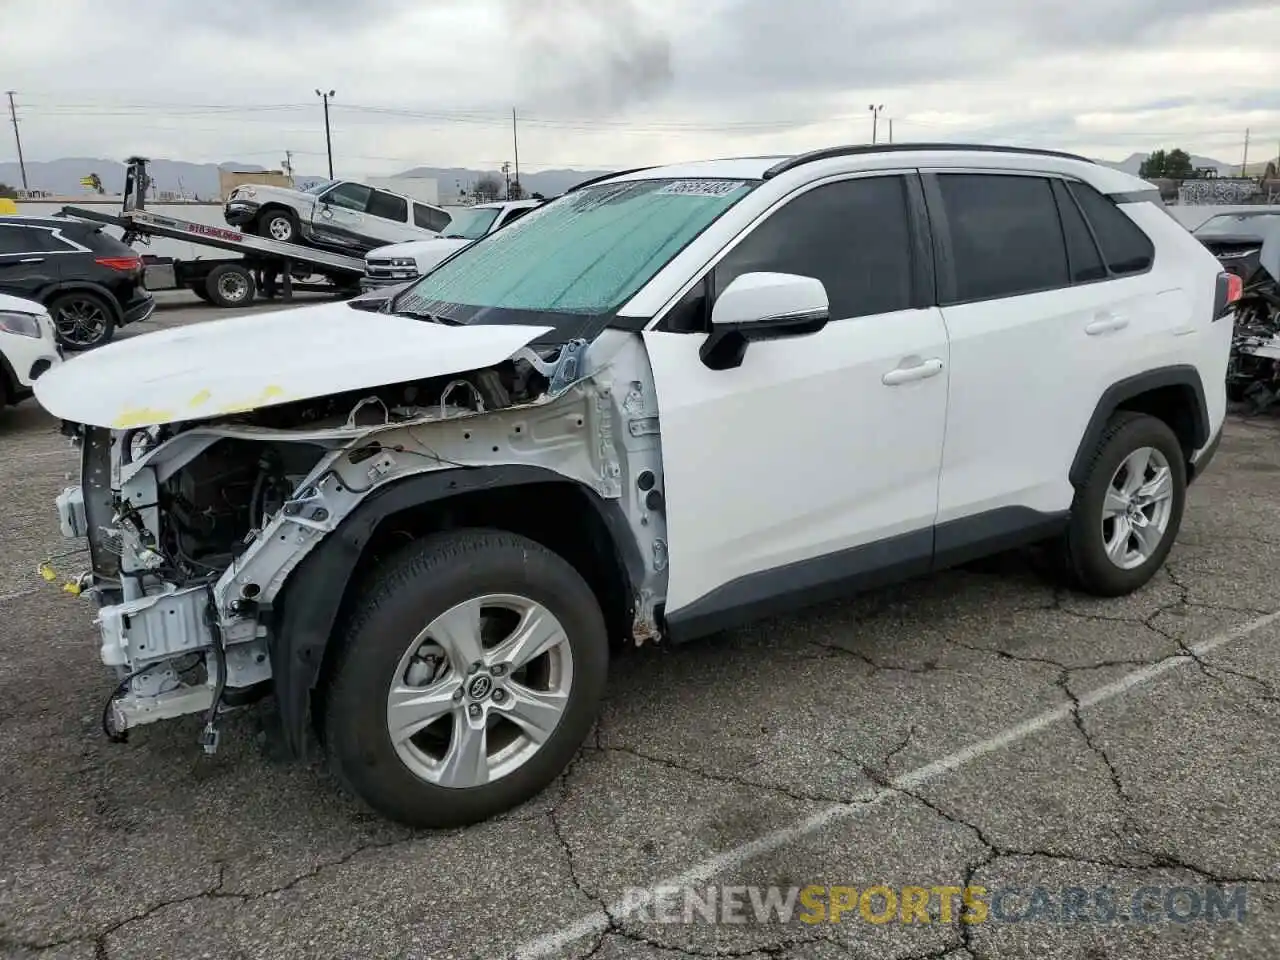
pixel 16 240
pixel 1125 247
pixel 1005 234
pixel 388 206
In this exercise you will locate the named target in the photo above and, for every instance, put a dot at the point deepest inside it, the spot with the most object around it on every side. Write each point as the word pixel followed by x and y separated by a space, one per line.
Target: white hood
pixel 261 360
pixel 424 252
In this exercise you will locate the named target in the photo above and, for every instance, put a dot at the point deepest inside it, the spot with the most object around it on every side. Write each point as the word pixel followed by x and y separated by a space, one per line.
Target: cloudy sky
pixel 605 83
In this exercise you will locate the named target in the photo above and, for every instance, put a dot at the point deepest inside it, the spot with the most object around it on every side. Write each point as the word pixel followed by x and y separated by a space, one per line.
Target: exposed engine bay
pixel 1248 246
pixel 194 527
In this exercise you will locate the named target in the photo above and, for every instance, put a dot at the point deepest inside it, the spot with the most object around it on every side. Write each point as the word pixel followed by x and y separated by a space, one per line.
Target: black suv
pixel 90 282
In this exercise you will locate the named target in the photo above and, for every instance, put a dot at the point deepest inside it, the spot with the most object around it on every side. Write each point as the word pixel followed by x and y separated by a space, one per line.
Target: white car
pixel 28 347
pixel 671 402
pixel 398 263
pixel 341 215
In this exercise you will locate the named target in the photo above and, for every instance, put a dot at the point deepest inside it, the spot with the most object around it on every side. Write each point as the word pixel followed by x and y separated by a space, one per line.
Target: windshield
pixel 471 224
pixel 1231 224
pixel 320 187
pixel 573 262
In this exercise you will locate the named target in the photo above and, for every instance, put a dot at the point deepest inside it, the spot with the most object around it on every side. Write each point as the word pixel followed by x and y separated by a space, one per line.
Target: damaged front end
pixel 194 528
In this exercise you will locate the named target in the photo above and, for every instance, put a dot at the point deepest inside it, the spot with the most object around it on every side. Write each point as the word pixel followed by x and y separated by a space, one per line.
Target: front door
pixel 340 218
pixel 815 463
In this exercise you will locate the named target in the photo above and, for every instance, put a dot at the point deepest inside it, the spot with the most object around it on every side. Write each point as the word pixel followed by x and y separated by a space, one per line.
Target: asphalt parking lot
pixel 978 729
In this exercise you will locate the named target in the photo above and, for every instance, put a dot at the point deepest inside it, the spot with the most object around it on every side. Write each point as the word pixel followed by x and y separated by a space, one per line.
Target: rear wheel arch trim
pixel 1179 375
pixel 62 288
pixel 306 612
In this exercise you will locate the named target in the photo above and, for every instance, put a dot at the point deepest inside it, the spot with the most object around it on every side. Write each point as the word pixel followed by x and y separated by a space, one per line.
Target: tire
pixel 83 319
pixel 199 290
pixel 230 285
pixel 1089 566
pixel 407 781
pixel 279 225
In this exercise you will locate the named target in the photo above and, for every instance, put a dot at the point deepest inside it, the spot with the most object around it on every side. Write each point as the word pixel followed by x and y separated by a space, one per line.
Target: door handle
pixel 1106 323
pixel 920 371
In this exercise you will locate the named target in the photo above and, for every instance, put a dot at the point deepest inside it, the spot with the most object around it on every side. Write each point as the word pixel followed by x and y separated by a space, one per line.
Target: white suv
pixel 668 402
pixel 28 347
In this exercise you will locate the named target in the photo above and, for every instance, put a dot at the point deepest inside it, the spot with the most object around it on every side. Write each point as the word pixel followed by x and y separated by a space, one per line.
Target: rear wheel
pixel 83 319
pixel 467 678
pixel 230 285
pixel 1126 516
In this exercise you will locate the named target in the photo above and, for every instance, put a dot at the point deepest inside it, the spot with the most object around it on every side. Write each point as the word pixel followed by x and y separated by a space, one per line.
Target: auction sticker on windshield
pixel 702 188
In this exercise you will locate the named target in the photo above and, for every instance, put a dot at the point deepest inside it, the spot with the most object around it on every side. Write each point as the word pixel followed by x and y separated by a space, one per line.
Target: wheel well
pixel 1174 395
pixel 268 208
pixel 1176 405
pixel 557 515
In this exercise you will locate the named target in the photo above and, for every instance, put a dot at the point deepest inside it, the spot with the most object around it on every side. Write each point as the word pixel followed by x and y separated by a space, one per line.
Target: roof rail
pixel 605 176
pixel 855 149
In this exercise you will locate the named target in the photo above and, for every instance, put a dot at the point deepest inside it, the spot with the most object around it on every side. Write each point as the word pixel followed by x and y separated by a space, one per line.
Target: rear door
pixel 388 217
pixel 29 260
pixel 1040 324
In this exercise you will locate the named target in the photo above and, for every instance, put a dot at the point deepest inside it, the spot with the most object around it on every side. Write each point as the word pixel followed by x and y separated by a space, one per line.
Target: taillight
pixel 1235 287
pixel 1229 289
pixel 123 264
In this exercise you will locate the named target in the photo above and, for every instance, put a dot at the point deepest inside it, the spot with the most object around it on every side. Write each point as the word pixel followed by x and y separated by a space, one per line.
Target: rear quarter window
pixel 1125 247
pixel 102 243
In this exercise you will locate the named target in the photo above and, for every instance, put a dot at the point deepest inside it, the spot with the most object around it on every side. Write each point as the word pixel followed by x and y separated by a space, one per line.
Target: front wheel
pixel 279 225
pixel 1126 516
pixel 467 677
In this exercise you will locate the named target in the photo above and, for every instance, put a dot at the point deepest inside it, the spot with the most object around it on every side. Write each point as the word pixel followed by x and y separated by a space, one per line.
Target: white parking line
pixel 599 921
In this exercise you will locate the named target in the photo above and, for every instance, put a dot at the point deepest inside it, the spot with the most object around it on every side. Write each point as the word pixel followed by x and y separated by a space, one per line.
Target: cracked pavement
pixel 151 849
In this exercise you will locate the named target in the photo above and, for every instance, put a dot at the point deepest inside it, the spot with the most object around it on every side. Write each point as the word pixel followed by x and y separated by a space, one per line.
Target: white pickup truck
pixel 399 263
pixel 338 214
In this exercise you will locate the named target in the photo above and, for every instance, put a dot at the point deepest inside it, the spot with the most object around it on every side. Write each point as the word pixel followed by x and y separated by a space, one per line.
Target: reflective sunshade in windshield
pixel 584 254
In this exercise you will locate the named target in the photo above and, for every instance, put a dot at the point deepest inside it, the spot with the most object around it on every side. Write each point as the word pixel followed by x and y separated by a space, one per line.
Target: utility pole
pixel 891 129
pixel 506 173
pixel 13 116
pixel 875 119
pixel 328 141
pixel 288 163
pixel 515 142
pixel 1244 163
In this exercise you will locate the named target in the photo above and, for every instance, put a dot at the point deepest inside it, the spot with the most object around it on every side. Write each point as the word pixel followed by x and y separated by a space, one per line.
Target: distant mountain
pixel 549 183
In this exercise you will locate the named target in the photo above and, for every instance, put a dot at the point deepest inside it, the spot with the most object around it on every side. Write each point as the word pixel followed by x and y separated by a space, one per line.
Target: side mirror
pixel 762 306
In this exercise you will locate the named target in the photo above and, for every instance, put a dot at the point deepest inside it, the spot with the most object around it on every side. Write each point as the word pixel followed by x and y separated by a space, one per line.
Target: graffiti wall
pixel 1217 190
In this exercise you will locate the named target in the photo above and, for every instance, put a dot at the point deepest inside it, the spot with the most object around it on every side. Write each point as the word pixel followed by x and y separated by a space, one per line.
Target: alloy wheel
pixel 81 322
pixel 479 691
pixel 1137 508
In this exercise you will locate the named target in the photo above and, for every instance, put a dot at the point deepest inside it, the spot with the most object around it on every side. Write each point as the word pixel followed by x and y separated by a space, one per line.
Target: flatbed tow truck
pixel 265 266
